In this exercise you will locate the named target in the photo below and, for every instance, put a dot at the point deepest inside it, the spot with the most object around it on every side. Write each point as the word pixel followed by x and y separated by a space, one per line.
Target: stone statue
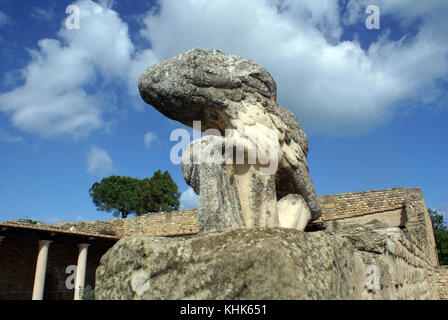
pixel 259 174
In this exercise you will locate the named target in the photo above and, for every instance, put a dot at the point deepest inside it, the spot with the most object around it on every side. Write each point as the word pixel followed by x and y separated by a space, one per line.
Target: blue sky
pixel 373 102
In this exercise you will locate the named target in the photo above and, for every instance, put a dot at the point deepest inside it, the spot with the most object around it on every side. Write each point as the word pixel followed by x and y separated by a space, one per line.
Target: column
pixel 81 271
pixel 41 269
pixel 1 238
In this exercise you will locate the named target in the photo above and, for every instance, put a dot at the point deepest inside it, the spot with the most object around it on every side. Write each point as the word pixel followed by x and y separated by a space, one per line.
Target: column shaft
pixel 81 271
pixel 41 269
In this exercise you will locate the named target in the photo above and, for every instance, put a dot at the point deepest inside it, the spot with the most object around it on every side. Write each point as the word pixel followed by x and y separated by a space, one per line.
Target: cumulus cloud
pixel 52 220
pixel 332 86
pixel 148 138
pixel 66 84
pixel 99 163
pixel 189 199
pixel 7 138
pixel 405 10
pixel 141 60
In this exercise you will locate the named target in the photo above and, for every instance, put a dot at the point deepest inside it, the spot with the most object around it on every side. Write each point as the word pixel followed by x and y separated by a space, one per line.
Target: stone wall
pixel 419 226
pixel 157 224
pixel 405 255
pixel 396 207
pixel 348 205
pixel 410 245
pixel 389 203
pixel 393 265
pixel 372 262
pixel 442 282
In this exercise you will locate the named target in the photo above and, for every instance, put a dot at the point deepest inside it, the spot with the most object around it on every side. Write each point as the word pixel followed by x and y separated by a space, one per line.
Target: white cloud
pixel 141 61
pixel 189 199
pixel 332 86
pixel 59 95
pixel 405 10
pixel 4 18
pixel 42 14
pixel 148 138
pixel 99 163
pixel 56 220
pixel 6 137
pixel 52 220
pixel 107 3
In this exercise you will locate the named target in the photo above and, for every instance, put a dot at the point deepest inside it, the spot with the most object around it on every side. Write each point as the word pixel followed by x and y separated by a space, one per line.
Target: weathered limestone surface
pixel 395 267
pixel 442 282
pixel 219 203
pixel 157 224
pixel 221 185
pixel 229 92
pixel 372 261
pixel 258 263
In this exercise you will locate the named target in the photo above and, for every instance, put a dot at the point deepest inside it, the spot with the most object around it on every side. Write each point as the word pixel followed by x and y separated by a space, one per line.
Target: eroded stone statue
pixel 226 92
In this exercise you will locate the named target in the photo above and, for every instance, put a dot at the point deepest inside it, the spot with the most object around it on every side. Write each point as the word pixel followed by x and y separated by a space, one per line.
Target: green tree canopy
pixel 125 195
pixel 440 235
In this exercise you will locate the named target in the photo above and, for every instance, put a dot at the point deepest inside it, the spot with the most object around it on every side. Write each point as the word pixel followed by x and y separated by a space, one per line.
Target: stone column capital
pixel 45 242
pixel 83 245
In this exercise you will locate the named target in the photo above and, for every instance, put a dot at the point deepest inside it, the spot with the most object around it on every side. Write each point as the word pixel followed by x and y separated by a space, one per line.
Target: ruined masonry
pixel 251 242
pixel 257 234
pixel 226 92
pixel 254 235
pixel 384 235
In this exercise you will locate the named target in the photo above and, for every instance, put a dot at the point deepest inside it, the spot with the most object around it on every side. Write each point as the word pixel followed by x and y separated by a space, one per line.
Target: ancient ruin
pixel 374 244
pixel 254 235
pixel 225 92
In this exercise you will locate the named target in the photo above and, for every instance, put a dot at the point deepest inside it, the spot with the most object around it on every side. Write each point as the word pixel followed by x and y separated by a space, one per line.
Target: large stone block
pixel 373 261
pixel 259 263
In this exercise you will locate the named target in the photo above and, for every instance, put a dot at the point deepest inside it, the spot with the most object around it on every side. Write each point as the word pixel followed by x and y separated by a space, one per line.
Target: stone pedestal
pixel 257 196
pixel 231 195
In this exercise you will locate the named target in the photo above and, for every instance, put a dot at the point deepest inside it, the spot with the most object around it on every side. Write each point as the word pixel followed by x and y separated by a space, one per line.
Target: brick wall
pixel 158 224
pixel 18 264
pixel 337 206
pixel 17 268
pixel 407 203
pixel 346 205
